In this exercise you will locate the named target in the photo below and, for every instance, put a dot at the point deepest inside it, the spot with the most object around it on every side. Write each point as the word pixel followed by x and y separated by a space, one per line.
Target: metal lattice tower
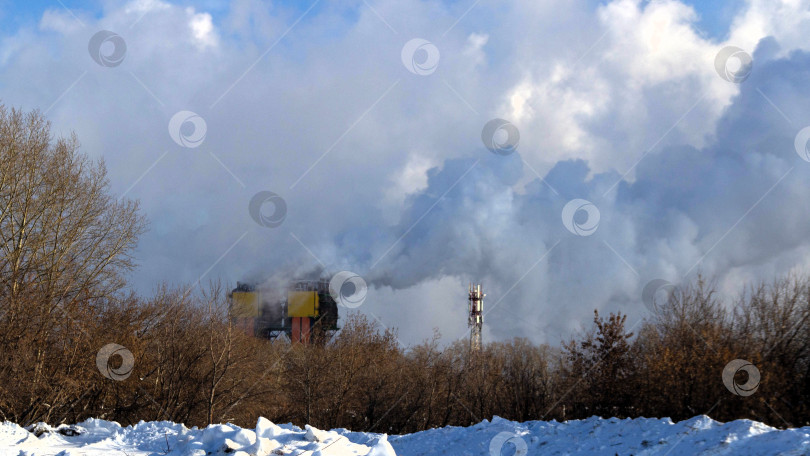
pixel 475 319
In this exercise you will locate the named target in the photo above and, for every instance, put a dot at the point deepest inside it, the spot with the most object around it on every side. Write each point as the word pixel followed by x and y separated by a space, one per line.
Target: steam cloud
pixel 383 172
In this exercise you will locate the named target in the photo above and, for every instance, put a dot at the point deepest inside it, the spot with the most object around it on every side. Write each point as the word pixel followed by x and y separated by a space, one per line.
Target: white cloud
pixel 407 181
pixel 475 47
pixel 59 21
pixel 202 28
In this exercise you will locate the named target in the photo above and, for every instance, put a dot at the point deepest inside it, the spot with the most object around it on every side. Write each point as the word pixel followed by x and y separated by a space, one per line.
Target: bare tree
pixel 66 243
pixel 63 235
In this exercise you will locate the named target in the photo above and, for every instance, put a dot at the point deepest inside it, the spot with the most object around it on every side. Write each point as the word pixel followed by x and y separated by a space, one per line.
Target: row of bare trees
pixel 674 365
pixel 66 249
pixel 191 365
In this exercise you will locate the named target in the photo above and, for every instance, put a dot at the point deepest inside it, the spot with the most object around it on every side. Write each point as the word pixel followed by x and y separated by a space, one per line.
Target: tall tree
pixel 65 243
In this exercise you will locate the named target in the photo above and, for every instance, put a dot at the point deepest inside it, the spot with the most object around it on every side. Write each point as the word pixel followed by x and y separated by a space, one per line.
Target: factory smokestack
pixel 475 319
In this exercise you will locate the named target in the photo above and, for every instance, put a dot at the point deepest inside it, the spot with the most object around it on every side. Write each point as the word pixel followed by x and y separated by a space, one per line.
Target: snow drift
pixel 99 437
pixel 600 437
pixel 593 436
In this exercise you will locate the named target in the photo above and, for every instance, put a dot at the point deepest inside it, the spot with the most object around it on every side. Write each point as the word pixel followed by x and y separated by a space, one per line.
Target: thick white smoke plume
pixel 381 167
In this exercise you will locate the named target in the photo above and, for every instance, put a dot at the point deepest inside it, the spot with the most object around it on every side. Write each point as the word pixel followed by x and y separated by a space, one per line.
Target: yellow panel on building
pixel 245 304
pixel 302 304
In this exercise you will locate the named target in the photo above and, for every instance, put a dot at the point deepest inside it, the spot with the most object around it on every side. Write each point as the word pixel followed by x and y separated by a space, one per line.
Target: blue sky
pixel 715 15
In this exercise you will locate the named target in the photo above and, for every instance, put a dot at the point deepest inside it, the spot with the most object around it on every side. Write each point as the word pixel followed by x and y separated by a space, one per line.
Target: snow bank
pixel 98 437
pixel 593 436
pixel 597 436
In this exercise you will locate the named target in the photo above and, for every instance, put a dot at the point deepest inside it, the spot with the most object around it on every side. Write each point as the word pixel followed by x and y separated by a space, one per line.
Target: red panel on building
pixel 300 329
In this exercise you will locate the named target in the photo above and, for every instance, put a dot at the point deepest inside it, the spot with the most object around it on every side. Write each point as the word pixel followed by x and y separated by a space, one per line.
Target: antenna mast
pixel 475 319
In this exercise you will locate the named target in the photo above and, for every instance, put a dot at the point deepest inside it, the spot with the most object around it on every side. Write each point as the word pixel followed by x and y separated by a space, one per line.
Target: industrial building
pixel 306 309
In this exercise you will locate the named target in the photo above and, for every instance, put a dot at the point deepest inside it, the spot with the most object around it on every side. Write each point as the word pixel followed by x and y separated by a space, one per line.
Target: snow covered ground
pixel 98 437
pixel 594 436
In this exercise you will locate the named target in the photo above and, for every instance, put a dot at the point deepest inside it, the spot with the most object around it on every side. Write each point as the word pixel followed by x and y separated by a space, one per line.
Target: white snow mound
pixel 99 437
pixel 592 436
pixel 611 436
